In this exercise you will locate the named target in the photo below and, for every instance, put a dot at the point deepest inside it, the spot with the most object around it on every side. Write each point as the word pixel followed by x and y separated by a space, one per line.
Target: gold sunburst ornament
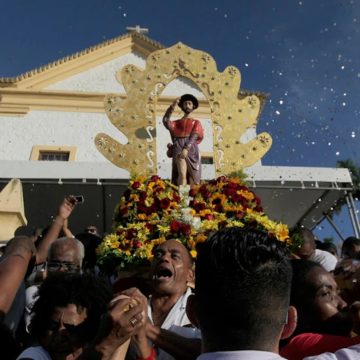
pixel 135 115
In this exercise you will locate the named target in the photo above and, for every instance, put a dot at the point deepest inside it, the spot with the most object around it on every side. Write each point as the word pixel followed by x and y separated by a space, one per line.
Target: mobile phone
pixel 79 199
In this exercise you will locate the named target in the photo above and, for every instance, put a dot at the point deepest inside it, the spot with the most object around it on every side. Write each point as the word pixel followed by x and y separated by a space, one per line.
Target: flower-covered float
pixel 152 210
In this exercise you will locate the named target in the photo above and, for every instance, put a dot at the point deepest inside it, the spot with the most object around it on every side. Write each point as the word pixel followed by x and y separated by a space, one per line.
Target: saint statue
pixel 186 134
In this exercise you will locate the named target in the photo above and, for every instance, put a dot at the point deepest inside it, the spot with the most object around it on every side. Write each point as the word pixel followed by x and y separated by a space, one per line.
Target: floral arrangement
pixel 152 211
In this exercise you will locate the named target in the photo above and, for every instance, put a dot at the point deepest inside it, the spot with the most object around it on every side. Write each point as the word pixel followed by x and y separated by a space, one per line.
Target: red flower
pixel 142 195
pixel 155 178
pixel 164 203
pixel 185 229
pixel 152 209
pixel 232 185
pixel 142 209
pixel 209 217
pixel 206 194
pixel 176 197
pixel 237 198
pixel 137 244
pixel 175 226
pixel 192 192
pixel 119 231
pixel 123 211
pixel 135 185
pixel 131 233
pixel 150 227
pixel 229 192
pixel 240 215
pixel 198 206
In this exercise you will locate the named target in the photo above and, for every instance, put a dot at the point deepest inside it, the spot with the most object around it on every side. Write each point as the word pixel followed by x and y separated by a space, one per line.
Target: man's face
pixel 65 332
pixel 64 257
pixel 188 106
pixel 92 230
pixel 350 252
pixel 171 268
pixel 307 249
pixel 328 305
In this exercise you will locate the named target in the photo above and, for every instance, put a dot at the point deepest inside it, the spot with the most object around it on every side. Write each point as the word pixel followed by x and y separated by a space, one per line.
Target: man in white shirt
pixel 242 282
pixel 308 250
pixel 172 271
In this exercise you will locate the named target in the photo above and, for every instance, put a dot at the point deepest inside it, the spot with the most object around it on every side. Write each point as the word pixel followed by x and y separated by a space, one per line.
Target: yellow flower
pixel 246 194
pixel 149 201
pixel 200 238
pixel 193 254
pixel 134 197
pixel 209 225
pixel 220 196
pixel 204 212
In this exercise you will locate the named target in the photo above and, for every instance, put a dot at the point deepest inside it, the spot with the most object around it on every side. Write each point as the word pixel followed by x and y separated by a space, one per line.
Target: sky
pixel 304 54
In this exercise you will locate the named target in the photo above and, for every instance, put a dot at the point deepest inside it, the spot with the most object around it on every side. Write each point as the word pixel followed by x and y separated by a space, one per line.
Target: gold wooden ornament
pixel 135 115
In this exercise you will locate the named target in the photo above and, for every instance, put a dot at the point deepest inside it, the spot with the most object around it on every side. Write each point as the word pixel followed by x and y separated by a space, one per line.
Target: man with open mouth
pixel 169 329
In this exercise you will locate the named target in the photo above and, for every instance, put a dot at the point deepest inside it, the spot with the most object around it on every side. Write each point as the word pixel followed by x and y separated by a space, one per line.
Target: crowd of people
pixel 245 297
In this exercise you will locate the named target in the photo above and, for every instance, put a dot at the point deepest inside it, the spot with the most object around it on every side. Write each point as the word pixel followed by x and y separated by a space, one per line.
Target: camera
pixel 76 199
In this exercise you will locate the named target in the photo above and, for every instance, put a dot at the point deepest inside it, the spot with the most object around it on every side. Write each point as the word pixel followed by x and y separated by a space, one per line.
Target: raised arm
pixel 169 111
pixel 13 266
pixel 64 211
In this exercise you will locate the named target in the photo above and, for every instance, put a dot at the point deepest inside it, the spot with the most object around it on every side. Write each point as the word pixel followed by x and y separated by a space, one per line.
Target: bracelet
pixel 152 356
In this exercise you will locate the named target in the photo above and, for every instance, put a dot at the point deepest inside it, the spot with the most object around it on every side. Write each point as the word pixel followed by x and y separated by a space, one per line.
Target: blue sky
pixel 305 54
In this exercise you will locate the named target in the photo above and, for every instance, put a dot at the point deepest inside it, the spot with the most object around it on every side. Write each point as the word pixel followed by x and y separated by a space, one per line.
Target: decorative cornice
pixel 140 43
pixel 19 102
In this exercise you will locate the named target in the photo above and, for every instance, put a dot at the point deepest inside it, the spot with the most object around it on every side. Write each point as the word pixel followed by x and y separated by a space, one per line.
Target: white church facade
pixel 49 119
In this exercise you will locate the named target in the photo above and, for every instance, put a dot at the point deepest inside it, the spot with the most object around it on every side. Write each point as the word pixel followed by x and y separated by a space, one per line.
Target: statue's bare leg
pixel 182 169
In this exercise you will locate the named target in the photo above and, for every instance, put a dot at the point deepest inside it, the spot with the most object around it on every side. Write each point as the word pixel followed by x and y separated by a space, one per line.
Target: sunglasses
pixel 62 265
pixel 72 329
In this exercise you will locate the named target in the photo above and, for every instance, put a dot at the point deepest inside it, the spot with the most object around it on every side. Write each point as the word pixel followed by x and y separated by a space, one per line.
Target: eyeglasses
pixel 73 329
pixel 66 266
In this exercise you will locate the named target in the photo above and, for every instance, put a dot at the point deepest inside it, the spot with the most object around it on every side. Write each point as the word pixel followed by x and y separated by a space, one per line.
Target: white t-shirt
pixel 350 353
pixel 324 258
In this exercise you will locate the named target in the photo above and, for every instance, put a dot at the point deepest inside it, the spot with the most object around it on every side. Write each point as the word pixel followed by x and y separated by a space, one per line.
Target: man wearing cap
pixel 186 134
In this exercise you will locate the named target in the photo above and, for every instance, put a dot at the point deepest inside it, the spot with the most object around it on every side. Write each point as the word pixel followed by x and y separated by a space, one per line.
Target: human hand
pixel 66 207
pixel 175 102
pixel 127 316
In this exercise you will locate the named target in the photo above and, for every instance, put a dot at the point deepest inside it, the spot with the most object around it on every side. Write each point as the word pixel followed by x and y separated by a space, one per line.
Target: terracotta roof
pixel 11 80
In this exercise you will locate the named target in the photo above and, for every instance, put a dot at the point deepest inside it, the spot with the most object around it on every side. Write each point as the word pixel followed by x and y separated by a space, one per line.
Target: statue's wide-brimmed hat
pixel 190 97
